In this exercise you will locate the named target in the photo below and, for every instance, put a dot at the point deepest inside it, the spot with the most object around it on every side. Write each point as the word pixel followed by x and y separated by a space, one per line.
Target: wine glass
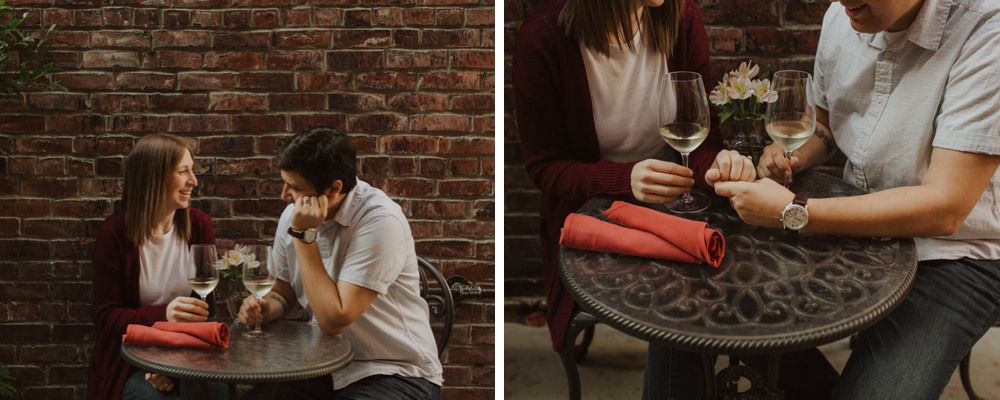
pixel 258 281
pixel 203 276
pixel 791 119
pixel 684 122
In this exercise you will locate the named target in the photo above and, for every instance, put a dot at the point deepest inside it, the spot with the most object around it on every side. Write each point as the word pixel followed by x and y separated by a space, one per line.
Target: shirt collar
pixel 346 210
pixel 927 28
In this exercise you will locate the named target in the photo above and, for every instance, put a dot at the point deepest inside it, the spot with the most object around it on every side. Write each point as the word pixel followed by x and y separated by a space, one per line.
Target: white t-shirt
pixel 625 93
pixel 893 98
pixel 162 276
pixel 368 243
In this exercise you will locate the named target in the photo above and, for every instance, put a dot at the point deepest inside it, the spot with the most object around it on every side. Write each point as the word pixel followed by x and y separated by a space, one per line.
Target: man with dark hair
pixel 343 252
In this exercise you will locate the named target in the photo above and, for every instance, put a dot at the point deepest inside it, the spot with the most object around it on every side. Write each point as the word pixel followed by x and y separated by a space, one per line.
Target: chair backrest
pixel 434 289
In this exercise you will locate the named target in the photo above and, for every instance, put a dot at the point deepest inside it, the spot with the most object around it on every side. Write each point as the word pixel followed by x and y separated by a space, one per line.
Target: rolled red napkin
pixel 195 335
pixel 693 237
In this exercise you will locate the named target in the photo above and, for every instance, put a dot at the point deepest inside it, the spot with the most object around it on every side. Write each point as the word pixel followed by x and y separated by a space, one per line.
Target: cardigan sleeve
pixel 115 293
pixel 560 160
pixel 692 54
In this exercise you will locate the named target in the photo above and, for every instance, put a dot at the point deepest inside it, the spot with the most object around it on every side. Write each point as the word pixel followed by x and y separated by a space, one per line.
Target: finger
pixel 666 167
pixel 727 189
pixel 711 176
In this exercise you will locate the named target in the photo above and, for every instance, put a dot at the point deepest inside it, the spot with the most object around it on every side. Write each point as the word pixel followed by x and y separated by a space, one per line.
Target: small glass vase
pixel 231 295
pixel 746 136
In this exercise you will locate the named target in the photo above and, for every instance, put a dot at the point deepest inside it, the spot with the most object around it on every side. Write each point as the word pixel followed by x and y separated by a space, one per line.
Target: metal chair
pixel 572 353
pixel 963 371
pixel 439 301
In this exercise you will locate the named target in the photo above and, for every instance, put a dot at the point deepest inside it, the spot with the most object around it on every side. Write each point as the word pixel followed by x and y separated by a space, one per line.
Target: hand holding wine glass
pixel 258 281
pixel 791 119
pixel 203 276
pixel 684 123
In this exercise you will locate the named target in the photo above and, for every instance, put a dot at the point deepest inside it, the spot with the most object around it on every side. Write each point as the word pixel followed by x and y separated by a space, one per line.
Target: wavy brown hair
pixel 592 21
pixel 147 170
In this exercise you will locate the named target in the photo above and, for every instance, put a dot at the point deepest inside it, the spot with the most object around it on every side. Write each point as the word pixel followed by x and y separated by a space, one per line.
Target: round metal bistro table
pixel 294 351
pixel 776 291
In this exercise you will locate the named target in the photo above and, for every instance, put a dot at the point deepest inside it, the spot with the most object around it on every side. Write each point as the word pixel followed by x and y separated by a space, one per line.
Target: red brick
pixel 176 18
pixel 81 208
pixel 71 39
pixel 61 101
pixel 781 41
pixel 145 81
pixel 237 102
pixel 202 81
pixel 358 18
pixel 475 188
pixel 448 17
pixel 386 81
pixel 87 18
pixel 92 123
pixel 119 39
pixel 199 123
pixel 236 19
pixel 445 248
pixel 50 353
pixel 439 123
pixel 317 39
pixel 363 38
pixel 238 228
pixel 24 333
pixel 185 38
pixel 228 145
pixel 22 249
pixel 418 102
pixel 407 187
pixel 322 81
pixel 483 102
pixel 265 19
pixel 296 17
pixel 437 209
pixel 118 103
pixel 57 16
pixel 408 144
pixel 416 59
pixel 21 123
pixel 479 17
pixel 740 12
pixel 802 12
pixel 419 17
pixel 101 187
pixel 146 18
pixel 355 59
pixel 50 228
pixel 10 227
pixel 50 188
pixel 377 123
pixel 481 59
pixel 201 3
pixel 464 166
pixel 296 60
pixel 388 16
pixel 118 17
pixel 432 167
pixel 356 101
pixel 297 102
pixel 302 122
pixel 240 40
pixel 179 102
pixel 138 123
pixel 206 19
pixel 274 81
pixel 51 166
pixel 470 229
pixel 110 59
pixel 450 81
pixel 403 166
pixel 94 145
pixel 43 145
pixel 329 17
pixel 258 123
pixel 450 38
pixel 85 80
pixel 233 60
pixel 25 207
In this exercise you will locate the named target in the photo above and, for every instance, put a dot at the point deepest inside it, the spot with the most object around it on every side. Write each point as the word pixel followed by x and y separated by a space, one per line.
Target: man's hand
pixel 187 309
pixel 730 166
pixel 310 212
pixel 657 181
pixel 252 309
pixel 757 203
pixel 774 165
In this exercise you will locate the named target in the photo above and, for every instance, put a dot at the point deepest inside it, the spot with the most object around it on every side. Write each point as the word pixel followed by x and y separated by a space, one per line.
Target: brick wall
pixel 411 81
pixel 781 34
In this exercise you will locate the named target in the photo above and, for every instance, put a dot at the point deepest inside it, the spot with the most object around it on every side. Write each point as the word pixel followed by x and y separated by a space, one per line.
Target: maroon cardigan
pixel 116 300
pixel 555 121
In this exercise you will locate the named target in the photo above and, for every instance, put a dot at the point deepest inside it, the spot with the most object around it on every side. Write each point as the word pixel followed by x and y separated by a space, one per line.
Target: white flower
pixel 746 71
pixel 740 88
pixel 762 89
pixel 720 95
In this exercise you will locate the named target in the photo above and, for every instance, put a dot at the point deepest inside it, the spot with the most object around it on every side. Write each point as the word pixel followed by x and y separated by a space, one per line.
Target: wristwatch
pixel 795 216
pixel 307 236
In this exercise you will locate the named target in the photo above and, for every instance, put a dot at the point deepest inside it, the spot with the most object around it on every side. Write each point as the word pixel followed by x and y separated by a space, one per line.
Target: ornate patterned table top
pixel 775 290
pixel 295 351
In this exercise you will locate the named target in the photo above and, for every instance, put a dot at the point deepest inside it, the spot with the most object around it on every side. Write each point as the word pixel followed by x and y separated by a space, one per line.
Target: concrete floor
pixel 614 366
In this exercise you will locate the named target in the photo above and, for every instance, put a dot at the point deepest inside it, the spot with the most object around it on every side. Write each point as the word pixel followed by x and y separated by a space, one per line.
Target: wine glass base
pixel 253 333
pixel 696 202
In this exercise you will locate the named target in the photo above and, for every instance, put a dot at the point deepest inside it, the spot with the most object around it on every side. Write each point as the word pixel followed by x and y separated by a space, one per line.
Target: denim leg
pixel 912 353
pixel 389 387
pixel 672 374
pixel 320 388
pixel 136 388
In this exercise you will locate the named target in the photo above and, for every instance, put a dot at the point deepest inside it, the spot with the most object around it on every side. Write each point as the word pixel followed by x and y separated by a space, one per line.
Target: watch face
pixel 795 217
pixel 309 236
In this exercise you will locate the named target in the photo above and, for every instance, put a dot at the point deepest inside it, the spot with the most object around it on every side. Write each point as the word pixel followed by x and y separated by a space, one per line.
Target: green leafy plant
pixel 20 64
pixel 6 383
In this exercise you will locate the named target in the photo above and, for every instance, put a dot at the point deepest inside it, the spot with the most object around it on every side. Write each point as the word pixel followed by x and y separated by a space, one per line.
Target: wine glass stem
pixel 686 197
pixel 788 176
pixel 260 316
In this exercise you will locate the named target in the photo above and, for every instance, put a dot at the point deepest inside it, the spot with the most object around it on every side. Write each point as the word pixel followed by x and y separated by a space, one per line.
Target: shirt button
pixel 879 99
pixel 859 183
pixel 887 55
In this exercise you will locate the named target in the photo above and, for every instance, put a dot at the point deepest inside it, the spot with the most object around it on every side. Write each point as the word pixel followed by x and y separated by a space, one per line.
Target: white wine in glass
pixel 791 119
pixel 684 122
pixel 258 280
pixel 203 276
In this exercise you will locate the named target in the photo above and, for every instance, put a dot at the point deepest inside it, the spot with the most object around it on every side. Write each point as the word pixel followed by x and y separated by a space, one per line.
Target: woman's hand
pixel 187 309
pixel 657 181
pixel 160 382
pixel 728 166
pixel 774 165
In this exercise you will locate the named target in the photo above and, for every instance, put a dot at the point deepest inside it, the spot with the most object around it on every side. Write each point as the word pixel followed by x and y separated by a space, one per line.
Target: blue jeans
pixel 377 387
pixel 673 374
pixel 136 388
pixel 912 353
